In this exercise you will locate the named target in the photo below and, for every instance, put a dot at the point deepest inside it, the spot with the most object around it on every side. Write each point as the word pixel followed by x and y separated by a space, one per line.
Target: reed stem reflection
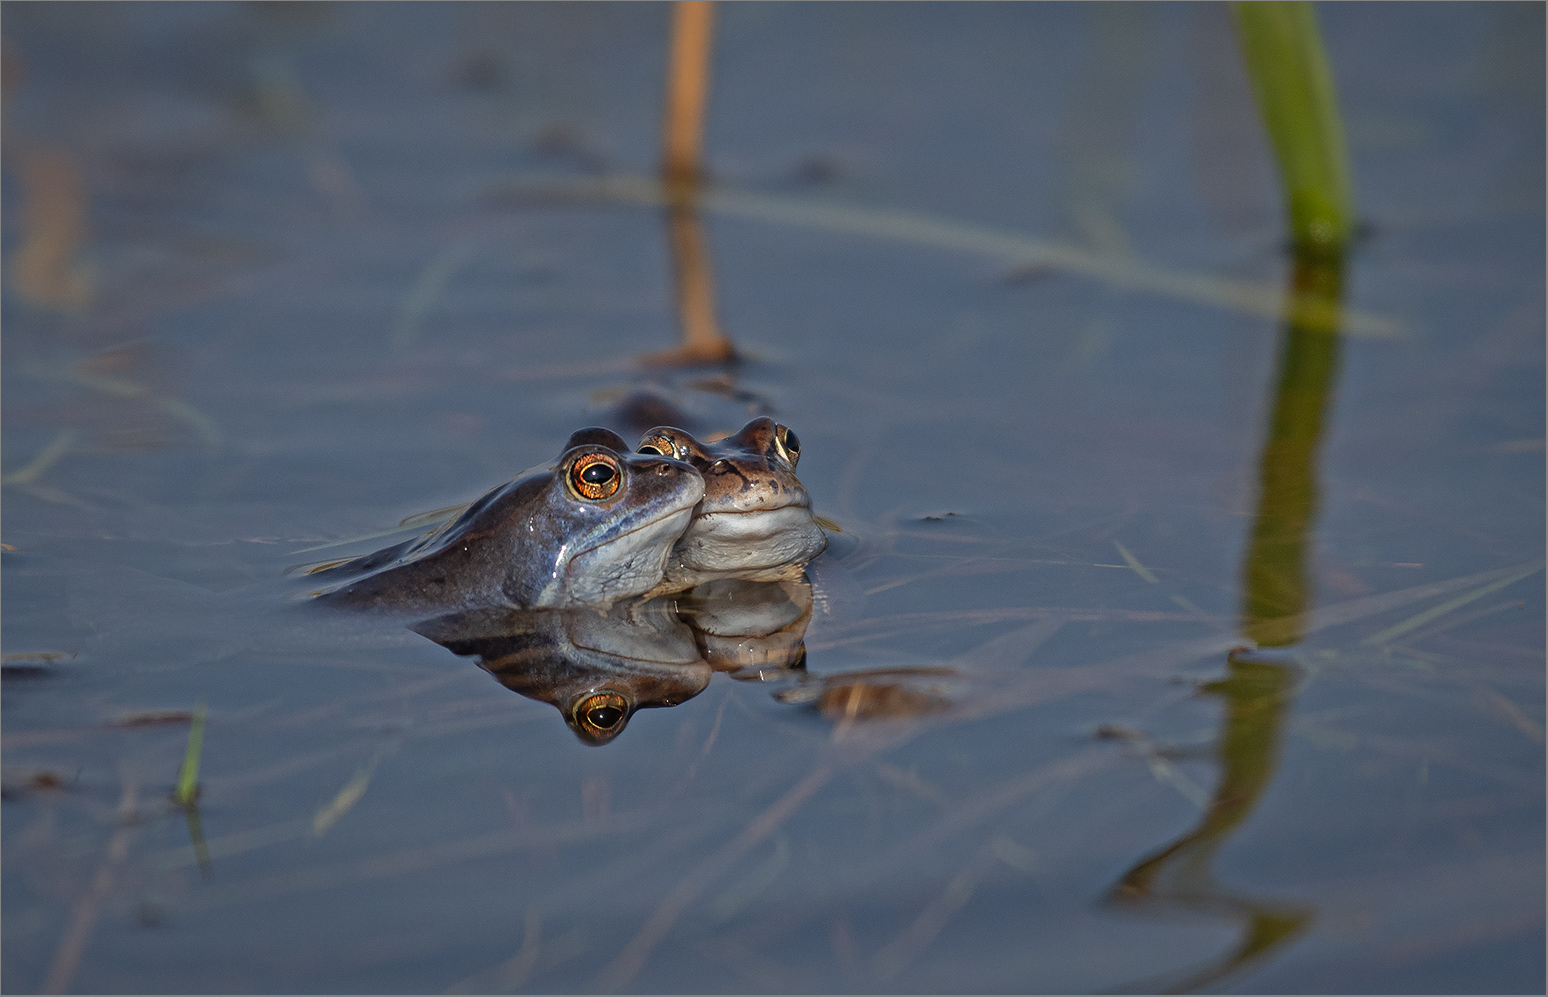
pixel 1259 688
pixel 1277 591
pixel 694 279
pixel 682 178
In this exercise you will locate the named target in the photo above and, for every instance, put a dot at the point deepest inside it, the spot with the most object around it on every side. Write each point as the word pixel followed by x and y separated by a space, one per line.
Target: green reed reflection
pixel 1295 94
pixel 1257 696
pixel 1276 588
pixel 1277 593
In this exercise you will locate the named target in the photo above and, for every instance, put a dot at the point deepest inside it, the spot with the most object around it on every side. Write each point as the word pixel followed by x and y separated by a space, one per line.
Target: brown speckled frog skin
pixel 755 521
pixel 596 527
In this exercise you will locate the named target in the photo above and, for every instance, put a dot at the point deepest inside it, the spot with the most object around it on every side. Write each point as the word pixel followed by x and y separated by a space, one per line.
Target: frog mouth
pixel 802 502
pixel 683 511
pixel 774 519
pixel 751 539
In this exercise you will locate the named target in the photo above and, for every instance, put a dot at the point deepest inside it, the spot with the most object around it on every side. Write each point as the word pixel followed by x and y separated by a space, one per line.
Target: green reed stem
pixel 1296 97
pixel 188 775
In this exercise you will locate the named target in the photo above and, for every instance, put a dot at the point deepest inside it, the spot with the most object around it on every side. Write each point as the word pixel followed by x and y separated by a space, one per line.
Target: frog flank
pixel 596 527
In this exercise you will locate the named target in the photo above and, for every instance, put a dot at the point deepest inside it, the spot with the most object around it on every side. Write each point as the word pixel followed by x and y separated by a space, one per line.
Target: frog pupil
pixel 597 474
pixel 605 717
pixel 647 448
pixel 792 442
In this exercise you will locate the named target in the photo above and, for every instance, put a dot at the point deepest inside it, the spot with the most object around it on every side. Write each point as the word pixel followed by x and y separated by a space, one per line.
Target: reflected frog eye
pixel 602 714
pixel 789 443
pixel 595 476
pixel 659 445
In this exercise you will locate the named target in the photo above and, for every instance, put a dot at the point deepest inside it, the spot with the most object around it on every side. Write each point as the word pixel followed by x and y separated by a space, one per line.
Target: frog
pixel 755 521
pixel 596 668
pixel 753 631
pixel 595 527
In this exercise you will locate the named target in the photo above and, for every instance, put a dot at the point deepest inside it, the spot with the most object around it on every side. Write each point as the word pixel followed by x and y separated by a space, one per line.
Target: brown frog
pixel 755 521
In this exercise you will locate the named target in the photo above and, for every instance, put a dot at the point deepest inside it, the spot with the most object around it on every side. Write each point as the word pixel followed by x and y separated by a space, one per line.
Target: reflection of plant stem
pixel 1276 598
pixel 1256 694
pixel 703 342
pixel 1257 698
pixel 1277 591
pixel 196 837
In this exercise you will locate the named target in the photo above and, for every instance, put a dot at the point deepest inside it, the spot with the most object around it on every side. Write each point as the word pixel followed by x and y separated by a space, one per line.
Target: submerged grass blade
pixel 1134 563
pixel 1296 97
pixel 1011 248
pixel 350 540
pixel 188 775
pixel 1435 612
pixel 49 456
pixel 177 408
pixel 426 290
pixel 346 799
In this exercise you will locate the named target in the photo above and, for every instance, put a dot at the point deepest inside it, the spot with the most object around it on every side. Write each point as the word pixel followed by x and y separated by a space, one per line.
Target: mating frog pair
pixel 605 524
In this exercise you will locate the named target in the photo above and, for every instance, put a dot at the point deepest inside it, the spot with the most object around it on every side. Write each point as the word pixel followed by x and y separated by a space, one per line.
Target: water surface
pixel 279 277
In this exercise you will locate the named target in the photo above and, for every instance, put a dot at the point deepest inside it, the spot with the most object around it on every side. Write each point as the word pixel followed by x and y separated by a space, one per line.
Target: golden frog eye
pixel 595 476
pixel 602 714
pixel 660 445
pixel 789 444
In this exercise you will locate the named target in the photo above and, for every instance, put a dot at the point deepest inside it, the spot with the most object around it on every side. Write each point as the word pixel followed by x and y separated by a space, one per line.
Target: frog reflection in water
pixel 755 522
pixel 598 669
pixel 596 527
pixel 753 630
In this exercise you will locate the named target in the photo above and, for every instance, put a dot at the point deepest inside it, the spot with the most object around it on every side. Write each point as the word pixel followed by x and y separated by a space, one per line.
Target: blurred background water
pixel 280 275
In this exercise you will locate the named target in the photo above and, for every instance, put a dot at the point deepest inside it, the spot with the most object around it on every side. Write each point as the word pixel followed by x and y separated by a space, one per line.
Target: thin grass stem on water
pixel 188 775
pixel 1010 248
pixel 1414 622
pixel 49 456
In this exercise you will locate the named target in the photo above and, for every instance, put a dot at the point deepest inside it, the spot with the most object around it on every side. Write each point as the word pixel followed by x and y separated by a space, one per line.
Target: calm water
pixel 280 276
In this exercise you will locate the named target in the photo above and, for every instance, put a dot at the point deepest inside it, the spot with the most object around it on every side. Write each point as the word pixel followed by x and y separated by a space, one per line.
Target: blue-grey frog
pixel 596 527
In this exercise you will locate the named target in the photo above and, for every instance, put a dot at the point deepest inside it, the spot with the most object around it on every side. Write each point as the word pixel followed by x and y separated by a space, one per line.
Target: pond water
pixel 280 276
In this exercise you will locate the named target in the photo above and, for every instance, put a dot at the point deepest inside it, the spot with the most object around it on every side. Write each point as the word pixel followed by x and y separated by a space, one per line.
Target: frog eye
pixel 595 476
pixel 602 714
pixel 789 444
pixel 659 444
